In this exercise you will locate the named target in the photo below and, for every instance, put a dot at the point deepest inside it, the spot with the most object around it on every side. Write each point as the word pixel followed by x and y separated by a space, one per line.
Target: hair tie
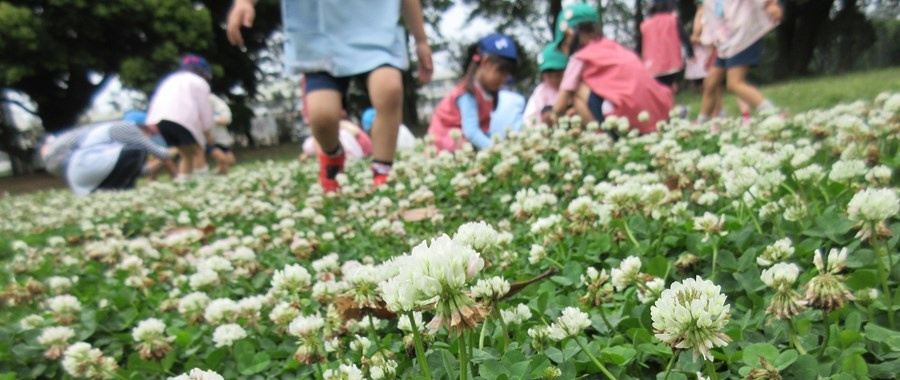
pixel 476 58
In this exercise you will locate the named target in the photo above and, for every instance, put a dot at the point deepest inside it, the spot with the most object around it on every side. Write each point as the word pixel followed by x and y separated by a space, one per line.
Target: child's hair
pixel 584 27
pixel 668 6
pixel 474 59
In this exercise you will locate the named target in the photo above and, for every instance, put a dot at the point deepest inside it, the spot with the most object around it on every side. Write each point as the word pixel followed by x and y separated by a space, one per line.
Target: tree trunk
pixel 555 8
pixel 638 20
pixel 59 106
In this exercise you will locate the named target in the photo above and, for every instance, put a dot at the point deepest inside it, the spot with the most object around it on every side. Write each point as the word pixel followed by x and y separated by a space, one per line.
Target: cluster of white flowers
pixel 516 316
pixel 626 273
pixel 781 250
pixel 571 323
pixel 226 335
pixel 691 314
pixel 871 206
pixel 780 274
pixel 492 288
pixel 198 374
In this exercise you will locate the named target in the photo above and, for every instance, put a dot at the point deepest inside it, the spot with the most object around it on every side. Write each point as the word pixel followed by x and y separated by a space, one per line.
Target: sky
pixel 453 26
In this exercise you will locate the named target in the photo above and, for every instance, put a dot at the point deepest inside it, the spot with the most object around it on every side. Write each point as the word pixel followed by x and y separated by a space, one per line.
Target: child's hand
pixel 426 68
pixel 241 15
pixel 774 11
pixel 173 152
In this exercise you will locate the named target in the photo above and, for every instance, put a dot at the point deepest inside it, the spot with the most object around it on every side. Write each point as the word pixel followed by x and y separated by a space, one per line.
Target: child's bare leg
pixel 580 103
pixel 720 96
pixel 186 164
pixel 386 92
pixel 200 164
pixel 738 85
pixel 324 116
pixel 710 91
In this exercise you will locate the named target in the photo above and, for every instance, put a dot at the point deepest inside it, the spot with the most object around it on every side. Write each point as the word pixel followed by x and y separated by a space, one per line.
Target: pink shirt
pixel 543 96
pixel 737 25
pixel 661 47
pixel 447 116
pixel 183 98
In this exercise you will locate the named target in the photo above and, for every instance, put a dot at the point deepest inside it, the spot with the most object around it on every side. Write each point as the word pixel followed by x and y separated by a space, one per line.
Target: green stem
pixel 752 217
pixel 555 262
pixel 483 329
pixel 793 338
pixel 669 366
pixel 420 350
pixel 824 194
pixel 715 258
pixel 372 328
pixel 318 369
pixel 463 360
pixel 594 359
pixel 631 238
pixel 885 277
pixel 827 336
pixel 605 321
pixel 710 367
pixel 505 332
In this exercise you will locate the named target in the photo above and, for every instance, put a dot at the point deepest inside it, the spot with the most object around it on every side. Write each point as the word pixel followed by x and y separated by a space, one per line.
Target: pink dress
pixel 733 25
pixel 661 47
pixel 448 118
pixel 618 76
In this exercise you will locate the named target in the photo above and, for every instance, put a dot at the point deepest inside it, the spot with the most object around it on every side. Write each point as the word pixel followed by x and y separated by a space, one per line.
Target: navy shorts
pixel 211 147
pixel 325 81
pixel 595 104
pixel 748 57
pixel 175 134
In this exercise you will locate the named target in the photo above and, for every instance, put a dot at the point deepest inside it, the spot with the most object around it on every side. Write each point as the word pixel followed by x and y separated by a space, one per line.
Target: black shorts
pixel 667 80
pixel 211 148
pixel 128 168
pixel 175 134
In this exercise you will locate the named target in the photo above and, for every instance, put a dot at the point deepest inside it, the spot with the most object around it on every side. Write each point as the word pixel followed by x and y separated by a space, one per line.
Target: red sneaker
pixel 380 179
pixel 329 168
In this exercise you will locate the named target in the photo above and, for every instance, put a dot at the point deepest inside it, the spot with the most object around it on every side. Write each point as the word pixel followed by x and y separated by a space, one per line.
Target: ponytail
pixel 472 62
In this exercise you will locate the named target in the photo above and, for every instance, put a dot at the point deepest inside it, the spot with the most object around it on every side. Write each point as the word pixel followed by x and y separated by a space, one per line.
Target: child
pixel 507 115
pixel 180 108
pixel 333 42
pixel 662 38
pixel 103 156
pixel 603 77
pixel 467 108
pixel 222 139
pixel 405 138
pixel 736 29
pixel 551 63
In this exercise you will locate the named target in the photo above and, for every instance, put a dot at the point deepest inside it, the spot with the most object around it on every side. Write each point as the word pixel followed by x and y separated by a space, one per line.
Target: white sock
pixel 182 178
pixel 766 107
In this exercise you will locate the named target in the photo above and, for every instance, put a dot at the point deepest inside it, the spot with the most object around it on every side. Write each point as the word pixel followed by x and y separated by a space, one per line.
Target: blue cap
pixel 136 116
pixel 197 64
pixel 499 44
pixel 368 116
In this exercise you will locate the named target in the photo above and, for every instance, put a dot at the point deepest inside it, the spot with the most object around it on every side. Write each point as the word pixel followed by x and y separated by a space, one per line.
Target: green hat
pixel 552 59
pixel 573 15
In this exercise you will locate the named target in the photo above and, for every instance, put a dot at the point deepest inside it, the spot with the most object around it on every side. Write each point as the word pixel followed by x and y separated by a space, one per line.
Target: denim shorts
pixel 747 57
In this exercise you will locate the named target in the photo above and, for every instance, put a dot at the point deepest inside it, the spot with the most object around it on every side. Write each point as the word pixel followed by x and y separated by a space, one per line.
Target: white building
pixel 442 82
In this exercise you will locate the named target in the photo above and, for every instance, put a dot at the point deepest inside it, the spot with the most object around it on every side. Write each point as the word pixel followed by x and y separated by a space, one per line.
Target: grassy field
pixel 804 94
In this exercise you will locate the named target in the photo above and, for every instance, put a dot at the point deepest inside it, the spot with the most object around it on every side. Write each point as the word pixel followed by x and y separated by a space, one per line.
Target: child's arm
pixel 471 128
pixel 241 14
pixel 412 14
pixel 570 81
pixel 773 9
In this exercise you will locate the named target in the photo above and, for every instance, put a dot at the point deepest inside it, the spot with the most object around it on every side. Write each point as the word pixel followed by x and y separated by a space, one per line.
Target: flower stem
pixel 752 217
pixel 463 360
pixel 885 277
pixel 594 359
pixel 669 366
pixel 710 367
pixel 827 335
pixel 605 321
pixel 793 338
pixel 715 258
pixel 505 332
pixel 372 328
pixel 483 329
pixel 555 262
pixel 420 350
pixel 631 237
pixel 319 372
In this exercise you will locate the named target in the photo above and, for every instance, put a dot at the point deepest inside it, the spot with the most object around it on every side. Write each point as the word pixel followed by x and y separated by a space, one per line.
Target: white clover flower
pixel 403 323
pixel 811 173
pixel 880 174
pixel 536 254
pixel 198 374
pixel 226 335
pixel 845 170
pixel 478 235
pixel 192 305
pixel 399 294
pixel 82 360
pixel 779 251
pixel 347 371
pixel 492 288
pixel 204 278
pixel 571 323
pixel 283 314
pixel 516 316
pixel 293 278
pixel 360 344
pixel 872 206
pixel 31 322
pixel 59 284
pixel 651 291
pixel 835 262
pixel 327 263
pixel 56 336
pixel 780 274
pixel 690 315
pixel 304 326
pixel 221 310
pixel 626 273
pixel 148 329
pixel 546 224
pixel 710 225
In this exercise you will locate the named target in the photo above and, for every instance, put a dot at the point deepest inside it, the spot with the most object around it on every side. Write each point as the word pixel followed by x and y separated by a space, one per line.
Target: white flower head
pixel 226 335
pixel 492 288
pixel 780 275
pixel 571 323
pixel 626 273
pixel 691 315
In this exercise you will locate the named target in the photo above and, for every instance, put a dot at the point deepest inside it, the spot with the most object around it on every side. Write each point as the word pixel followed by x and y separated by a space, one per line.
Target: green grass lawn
pixel 820 92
